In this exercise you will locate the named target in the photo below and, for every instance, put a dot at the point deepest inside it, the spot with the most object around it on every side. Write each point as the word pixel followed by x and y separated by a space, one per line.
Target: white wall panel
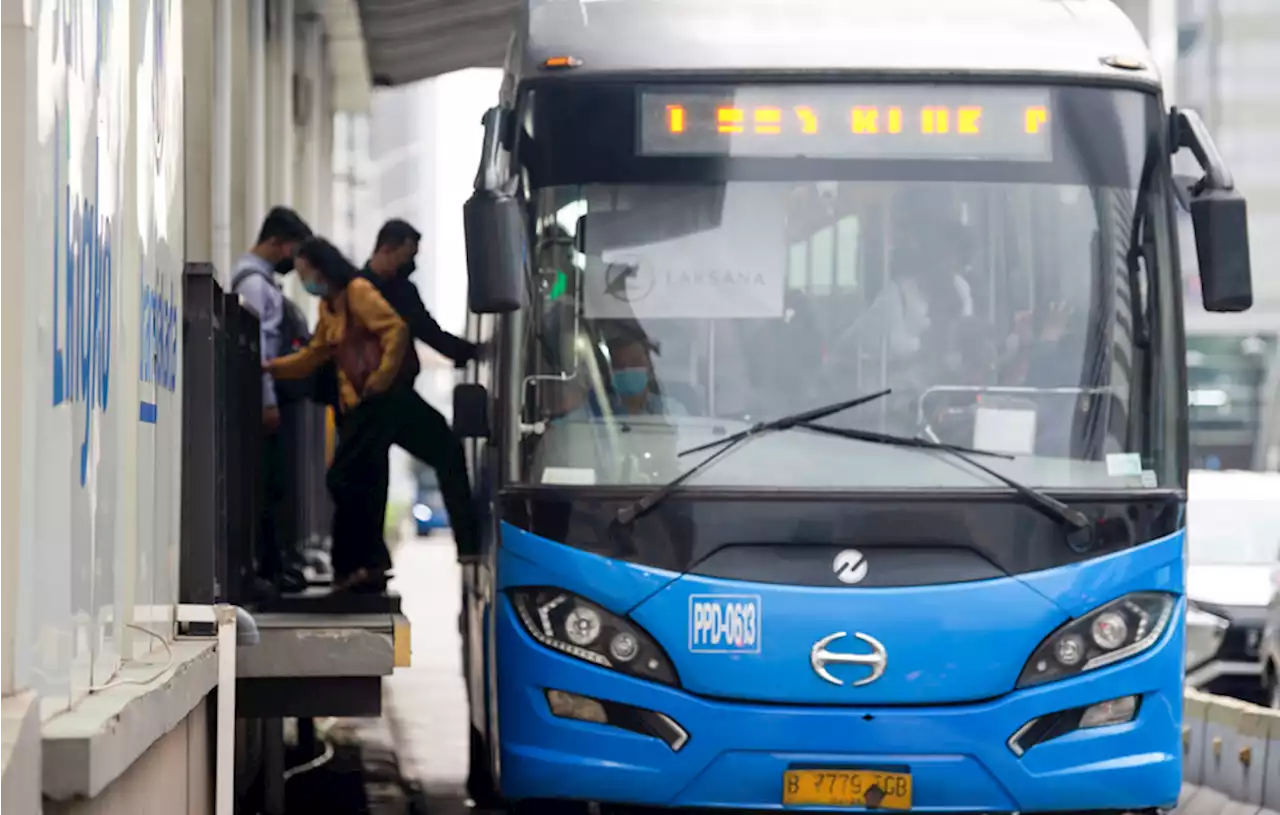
pixel 101 367
pixel 18 126
pixel 114 199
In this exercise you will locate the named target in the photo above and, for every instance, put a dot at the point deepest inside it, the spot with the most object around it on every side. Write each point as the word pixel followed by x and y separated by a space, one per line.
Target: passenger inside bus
pixel 634 390
pixel 919 307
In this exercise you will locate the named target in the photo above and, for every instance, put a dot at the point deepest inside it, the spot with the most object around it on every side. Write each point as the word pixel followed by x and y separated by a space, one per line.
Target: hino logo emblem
pixel 820 657
pixel 850 566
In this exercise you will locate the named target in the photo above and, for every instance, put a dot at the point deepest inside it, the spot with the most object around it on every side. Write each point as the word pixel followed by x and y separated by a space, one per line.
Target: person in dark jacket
pixel 421 430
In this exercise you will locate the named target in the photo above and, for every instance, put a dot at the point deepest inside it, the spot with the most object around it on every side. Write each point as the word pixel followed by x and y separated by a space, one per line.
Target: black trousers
pixel 352 480
pixel 423 433
pixel 359 476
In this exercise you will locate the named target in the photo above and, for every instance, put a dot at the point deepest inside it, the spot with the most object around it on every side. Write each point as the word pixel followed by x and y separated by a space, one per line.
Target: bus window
pixel 847 253
pixel 822 245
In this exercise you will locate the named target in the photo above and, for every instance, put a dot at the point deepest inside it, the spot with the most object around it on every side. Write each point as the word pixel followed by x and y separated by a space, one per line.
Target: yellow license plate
pixel 876 789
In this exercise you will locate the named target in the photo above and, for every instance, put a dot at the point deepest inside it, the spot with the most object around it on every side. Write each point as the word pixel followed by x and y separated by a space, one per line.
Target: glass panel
pixel 798 265
pixel 1226 379
pixel 990 295
pixel 690 337
pixel 824 260
pixel 847 253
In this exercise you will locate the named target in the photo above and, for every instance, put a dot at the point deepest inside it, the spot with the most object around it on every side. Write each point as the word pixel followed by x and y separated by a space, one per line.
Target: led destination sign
pixel 856 122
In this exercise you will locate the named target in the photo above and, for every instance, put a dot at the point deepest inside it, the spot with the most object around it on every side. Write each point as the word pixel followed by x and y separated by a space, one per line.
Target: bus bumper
pixel 959 756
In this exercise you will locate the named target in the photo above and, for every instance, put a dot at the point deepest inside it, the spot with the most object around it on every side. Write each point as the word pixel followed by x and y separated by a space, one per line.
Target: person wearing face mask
pixel 633 391
pixel 389 268
pixel 422 431
pixel 281 324
pixel 365 338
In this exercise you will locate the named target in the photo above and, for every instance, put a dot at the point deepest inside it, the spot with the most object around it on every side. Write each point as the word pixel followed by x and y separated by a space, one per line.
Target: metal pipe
pixel 288 66
pixel 225 751
pixel 1215 66
pixel 317 106
pixel 1162 35
pixel 257 187
pixel 223 56
pixel 353 184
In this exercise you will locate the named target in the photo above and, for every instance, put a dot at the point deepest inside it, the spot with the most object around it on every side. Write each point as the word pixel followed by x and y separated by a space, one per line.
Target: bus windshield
pixel 687 289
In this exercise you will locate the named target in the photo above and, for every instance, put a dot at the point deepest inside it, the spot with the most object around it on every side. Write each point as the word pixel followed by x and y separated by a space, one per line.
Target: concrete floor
pixel 426 704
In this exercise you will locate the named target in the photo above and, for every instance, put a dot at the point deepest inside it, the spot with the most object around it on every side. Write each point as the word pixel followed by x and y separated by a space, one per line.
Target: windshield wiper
pixel 1139 257
pixel 1047 504
pixel 629 513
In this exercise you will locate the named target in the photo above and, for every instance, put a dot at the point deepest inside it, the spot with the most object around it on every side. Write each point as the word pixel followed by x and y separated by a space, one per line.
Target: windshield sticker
pixel 1149 479
pixel 728 262
pixel 576 476
pixel 1124 465
pixel 724 623
pixel 1005 431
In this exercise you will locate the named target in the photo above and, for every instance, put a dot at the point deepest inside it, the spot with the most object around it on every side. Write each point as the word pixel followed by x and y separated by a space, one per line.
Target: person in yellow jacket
pixel 366 338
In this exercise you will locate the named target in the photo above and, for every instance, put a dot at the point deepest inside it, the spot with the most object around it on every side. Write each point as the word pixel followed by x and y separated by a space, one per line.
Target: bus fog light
pixel 572 706
pixel 1070 651
pixel 565 705
pixel 623 647
pixel 1113 711
pixel 1109 631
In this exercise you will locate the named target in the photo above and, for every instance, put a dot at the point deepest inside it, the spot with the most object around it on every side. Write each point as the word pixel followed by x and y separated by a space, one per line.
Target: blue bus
pixel 832 428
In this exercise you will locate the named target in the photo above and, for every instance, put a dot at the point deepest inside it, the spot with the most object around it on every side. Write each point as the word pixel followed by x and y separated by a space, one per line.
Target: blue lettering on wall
pixel 82 286
pixel 158 329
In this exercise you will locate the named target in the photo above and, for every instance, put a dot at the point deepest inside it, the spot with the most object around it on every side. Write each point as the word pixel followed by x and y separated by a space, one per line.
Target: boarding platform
pixel 306 656
pixel 320 655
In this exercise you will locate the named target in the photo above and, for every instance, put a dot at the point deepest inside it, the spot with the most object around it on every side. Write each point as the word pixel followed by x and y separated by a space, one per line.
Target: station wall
pixel 102 256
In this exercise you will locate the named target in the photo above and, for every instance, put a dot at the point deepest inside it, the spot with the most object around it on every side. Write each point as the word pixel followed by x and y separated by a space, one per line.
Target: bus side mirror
pixel 1222 249
pixel 1220 220
pixel 471 411
pixel 494 227
pixel 495 252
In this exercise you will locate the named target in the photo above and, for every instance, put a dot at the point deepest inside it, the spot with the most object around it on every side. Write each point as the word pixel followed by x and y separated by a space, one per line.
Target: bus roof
pixel 1066 38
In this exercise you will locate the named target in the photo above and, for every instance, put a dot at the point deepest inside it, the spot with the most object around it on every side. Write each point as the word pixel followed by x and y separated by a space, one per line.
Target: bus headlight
pixel 571 625
pixel 1112 632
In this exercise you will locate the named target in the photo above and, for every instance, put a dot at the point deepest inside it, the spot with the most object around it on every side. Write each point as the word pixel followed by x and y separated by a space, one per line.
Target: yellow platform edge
pixel 401 641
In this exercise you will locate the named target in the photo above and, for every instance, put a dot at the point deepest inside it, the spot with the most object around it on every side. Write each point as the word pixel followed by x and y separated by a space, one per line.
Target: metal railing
pixel 222 438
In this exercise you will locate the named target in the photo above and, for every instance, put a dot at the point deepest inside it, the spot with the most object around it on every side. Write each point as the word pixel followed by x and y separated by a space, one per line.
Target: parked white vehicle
pixel 1205 633
pixel 1233 541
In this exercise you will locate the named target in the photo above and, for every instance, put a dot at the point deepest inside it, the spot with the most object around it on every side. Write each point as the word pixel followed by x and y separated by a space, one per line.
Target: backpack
pixel 294 336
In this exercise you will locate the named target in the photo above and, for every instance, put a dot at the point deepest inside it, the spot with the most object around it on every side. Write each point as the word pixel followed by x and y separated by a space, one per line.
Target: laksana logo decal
pixel 724 623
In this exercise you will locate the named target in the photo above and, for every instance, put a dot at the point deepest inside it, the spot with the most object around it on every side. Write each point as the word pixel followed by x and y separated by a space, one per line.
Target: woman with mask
pixel 634 390
pixel 367 340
